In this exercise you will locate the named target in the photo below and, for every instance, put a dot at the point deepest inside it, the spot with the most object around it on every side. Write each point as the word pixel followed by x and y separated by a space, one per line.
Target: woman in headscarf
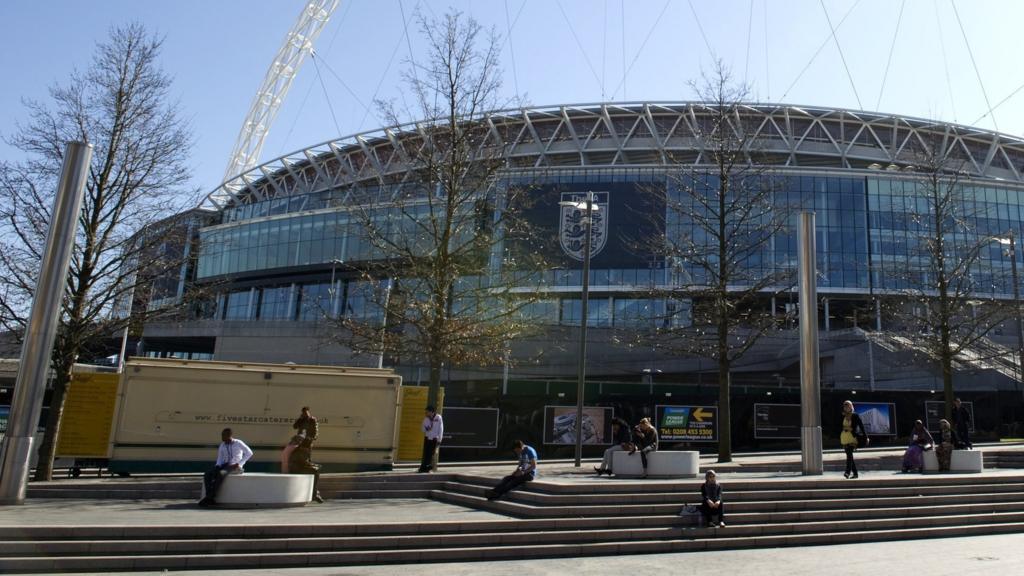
pixel 920 440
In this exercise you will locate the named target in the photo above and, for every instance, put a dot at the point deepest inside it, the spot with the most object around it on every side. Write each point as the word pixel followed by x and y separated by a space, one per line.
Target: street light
pixel 1010 242
pixel 333 290
pixel 588 206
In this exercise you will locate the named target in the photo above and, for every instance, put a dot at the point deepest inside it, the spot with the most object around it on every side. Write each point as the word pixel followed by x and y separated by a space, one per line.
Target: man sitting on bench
pixel 231 457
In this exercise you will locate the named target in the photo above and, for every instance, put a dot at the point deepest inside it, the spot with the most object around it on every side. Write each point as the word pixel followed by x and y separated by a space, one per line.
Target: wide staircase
pixel 579 517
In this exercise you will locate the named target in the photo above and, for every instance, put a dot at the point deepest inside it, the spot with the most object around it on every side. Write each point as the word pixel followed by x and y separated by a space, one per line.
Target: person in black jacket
pixel 622 439
pixel 645 439
pixel 711 500
pixel 962 425
pixel 851 436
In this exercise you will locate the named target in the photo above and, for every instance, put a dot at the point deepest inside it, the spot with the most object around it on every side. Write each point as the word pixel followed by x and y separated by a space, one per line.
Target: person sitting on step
pixel 524 472
pixel 711 500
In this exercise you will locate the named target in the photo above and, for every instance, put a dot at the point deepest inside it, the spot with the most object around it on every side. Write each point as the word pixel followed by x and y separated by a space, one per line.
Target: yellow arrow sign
pixel 699 414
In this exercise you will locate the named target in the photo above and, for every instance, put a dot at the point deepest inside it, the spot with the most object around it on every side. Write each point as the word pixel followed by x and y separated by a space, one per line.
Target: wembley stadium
pixel 276 254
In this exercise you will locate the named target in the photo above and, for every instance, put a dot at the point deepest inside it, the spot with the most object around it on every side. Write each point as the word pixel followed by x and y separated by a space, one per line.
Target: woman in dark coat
pixel 851 436
pixel 645 439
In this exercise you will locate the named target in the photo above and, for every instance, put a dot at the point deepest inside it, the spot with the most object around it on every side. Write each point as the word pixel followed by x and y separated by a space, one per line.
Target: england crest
pixel 572 227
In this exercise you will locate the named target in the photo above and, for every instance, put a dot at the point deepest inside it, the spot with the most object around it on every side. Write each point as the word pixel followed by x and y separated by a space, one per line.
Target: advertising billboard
pixel 687 423
pixel 777 421
pixel 936 410
pixel 560 425
pixel 470 428
pixel 879 417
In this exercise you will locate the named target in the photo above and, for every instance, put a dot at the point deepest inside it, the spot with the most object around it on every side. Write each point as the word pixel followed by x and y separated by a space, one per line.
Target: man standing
pixel 962 425
pixel 300 460
pixel 231 458
pixel 433 432
pixel 524 472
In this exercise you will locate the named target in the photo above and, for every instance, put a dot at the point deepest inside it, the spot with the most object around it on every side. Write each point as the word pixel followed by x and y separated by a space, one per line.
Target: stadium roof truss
pixel 642 134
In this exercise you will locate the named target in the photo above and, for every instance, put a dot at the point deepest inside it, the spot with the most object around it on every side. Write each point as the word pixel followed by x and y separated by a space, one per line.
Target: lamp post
pixel 333 290
pixel 588 206
pixel 1011 243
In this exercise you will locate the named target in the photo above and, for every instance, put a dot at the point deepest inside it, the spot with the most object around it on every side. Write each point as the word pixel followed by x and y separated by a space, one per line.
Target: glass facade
pixel 868 235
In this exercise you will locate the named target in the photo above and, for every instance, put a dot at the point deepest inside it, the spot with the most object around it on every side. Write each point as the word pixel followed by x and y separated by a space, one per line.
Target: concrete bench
pixel 256 490
pixel 664 464
pixel 961 461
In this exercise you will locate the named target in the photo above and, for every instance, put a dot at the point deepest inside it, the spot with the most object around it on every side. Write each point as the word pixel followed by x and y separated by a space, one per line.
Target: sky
pixel 950 60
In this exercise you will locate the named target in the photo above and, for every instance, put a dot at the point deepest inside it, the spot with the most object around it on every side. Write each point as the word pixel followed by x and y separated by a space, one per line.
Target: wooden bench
pixel 256 490
pixel 663 464
pixel 961 461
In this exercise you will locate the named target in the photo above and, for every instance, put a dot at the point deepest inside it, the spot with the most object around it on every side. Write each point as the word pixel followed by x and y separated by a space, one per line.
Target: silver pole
pixel 810 393
pixel 582 366
pixel 1016 308
pixel 384 325
pixel 41 330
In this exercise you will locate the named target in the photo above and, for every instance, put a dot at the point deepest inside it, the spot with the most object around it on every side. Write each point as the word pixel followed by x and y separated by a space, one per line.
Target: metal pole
pixel 42 325
pixel 1016 307
pixel 384 325
pixel 810 392
pixel 582 366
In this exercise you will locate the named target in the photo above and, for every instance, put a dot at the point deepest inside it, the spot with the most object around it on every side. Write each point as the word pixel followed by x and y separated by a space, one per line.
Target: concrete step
pixel 533 505
pixel 761 512
pixel 695 540
pixel 566 535
pixel 539 496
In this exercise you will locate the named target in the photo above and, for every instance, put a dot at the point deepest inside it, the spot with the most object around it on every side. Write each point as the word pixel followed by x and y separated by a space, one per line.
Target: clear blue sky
pixel 218 52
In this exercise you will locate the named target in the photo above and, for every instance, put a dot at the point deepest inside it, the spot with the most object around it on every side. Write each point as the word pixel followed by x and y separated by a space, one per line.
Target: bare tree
pixel 121 105
pixel 722 215
pixel 944 308
pixel 444 288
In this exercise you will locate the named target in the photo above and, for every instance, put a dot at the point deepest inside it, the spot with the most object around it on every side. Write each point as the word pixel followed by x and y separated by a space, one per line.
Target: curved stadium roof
pixel 639 134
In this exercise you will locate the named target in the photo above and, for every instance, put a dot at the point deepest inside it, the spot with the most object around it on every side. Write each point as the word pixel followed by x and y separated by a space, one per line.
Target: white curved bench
pixel 960 461
pixel 660 464
pixel 257 490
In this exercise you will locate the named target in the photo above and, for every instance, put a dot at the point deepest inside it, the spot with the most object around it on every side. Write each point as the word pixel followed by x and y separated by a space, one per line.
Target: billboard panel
pixel 777 421
pixel 879 417
pixel 687 423
pixel 936 410
pixel 470 428
pixel 560 425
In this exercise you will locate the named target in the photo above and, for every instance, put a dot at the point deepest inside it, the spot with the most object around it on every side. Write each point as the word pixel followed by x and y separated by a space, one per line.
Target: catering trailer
pixel 169 414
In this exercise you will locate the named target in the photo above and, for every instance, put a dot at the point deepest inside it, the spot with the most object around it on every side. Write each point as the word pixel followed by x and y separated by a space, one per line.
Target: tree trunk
pixel 48 447
pixel 947 383
pixel 724 414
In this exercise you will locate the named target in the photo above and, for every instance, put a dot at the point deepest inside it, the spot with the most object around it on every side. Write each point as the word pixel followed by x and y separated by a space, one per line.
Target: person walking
pixel 852 435
pixel 524 472
pixel 711 500
pixel 433 432
pixel 962 425
pixel 622 439
pixel 232 454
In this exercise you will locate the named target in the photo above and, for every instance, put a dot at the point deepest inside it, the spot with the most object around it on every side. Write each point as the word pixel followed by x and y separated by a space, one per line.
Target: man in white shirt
pixel 433 432
pixel 231 458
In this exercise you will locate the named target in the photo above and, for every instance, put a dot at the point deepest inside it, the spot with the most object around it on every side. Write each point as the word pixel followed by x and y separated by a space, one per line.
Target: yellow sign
pixel 700 414
pixel 88 416
pixel 410 431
